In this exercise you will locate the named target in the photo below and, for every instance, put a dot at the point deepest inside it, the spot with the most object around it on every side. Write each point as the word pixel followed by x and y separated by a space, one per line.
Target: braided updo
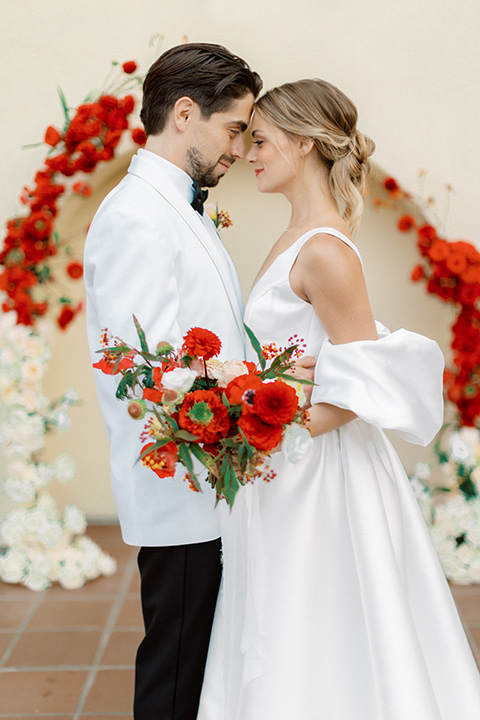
pixel 318 110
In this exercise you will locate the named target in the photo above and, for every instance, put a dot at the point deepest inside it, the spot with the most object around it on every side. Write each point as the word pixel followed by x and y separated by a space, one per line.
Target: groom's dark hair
pixel 208 74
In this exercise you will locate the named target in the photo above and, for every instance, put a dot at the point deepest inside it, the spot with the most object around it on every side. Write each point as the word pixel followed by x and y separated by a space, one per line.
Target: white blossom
pixel 180 379
pixel 296 440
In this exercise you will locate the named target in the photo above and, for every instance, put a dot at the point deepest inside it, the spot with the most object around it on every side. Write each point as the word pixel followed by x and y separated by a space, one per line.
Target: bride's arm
pixel 328 274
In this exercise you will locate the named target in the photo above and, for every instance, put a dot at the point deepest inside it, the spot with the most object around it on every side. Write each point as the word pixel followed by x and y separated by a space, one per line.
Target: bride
pixel 334 605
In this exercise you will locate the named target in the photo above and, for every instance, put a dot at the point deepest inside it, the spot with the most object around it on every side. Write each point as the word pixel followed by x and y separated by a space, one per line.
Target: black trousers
pixel 179 588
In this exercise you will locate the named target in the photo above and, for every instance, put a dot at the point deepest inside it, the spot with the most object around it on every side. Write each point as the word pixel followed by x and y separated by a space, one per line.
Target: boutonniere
pixel 221 218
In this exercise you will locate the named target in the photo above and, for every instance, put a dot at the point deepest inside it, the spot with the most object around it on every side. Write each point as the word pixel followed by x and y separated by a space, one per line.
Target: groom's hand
pixel 304 368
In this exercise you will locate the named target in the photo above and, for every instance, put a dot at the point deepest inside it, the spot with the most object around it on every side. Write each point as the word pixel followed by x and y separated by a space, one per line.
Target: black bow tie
pixel 199 197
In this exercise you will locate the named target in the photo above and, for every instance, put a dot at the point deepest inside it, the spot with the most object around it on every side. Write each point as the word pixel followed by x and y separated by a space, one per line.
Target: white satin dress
pixel 334 605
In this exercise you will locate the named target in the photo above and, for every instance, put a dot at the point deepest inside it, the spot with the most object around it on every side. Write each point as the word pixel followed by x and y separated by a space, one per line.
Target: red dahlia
pixel 201 343
pixel 275 403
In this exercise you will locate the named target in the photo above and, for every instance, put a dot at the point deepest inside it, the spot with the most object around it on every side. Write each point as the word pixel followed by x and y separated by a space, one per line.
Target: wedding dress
pixel 333 604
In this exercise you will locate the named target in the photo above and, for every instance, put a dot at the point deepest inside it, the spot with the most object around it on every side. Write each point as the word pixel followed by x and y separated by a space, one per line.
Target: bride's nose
pixel 251 155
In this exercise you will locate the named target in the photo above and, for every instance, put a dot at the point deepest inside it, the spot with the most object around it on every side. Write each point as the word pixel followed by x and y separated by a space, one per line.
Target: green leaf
pixel 141 336
pixel 256 346
pixel 247 445
pixel 185 435
pixel 65 109
pixel 206 459
pixel 186 460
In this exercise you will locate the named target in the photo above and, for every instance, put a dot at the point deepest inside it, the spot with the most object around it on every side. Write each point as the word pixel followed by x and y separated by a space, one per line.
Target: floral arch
pixel 40 256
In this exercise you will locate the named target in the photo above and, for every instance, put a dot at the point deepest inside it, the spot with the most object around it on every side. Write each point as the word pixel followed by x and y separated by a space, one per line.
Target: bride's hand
pixel 304 368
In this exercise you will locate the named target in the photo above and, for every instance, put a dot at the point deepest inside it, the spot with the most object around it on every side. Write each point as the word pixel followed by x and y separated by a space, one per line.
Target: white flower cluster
pixel 42 545
pixel 46 547
pixel 453 517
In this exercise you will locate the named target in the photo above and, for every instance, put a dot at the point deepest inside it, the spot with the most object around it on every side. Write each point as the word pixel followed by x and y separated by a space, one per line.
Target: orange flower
pixel 201 343
pixel 261 435
pixel 138 136
pixel 276 403
pixel 107 363
pixel 129 67
pixel 417 273
pixel 406 223
pixel 203 414
pixel 52 136
pixel 153 395
pixel 162 460
pixel 82 188
pixel 75 270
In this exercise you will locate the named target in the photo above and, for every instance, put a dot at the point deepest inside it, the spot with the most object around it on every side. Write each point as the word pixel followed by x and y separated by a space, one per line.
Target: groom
pixel 149 252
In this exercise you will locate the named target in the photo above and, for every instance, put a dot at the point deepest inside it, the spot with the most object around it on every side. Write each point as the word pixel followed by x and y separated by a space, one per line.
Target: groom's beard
pixel 201 172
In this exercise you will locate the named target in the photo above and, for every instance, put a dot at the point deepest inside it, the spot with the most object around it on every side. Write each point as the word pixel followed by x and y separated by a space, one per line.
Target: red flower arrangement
pixel 451 270
pixel 90 135
pixel 195 409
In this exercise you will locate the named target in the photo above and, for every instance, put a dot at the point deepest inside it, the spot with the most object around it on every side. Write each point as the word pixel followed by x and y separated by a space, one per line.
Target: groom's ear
pixel 184 111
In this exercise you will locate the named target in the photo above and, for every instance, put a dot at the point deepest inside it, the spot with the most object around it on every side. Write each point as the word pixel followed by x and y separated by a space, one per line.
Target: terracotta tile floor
pixel 69 655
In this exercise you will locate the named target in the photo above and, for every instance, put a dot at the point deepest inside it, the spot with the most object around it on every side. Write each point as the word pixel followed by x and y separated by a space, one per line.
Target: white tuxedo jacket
pixel 149 253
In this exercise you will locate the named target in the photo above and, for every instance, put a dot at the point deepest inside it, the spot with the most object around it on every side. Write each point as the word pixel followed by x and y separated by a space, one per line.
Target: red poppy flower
pixel 201 343
pixel 162 460
pixel 203 414
pixel 242 389
pixel 276 403
pixel 390 184
pixel 75 270
pixel 52 136
pixel 406 222
pixel 261 435
pixel 138 136
pixel 129 67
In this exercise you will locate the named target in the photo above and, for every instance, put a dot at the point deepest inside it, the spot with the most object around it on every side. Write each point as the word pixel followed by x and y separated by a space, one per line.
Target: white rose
pixel 36 347
pixel 32 371
pixel 296 441
pixel 225 372
pixel 179 379
pixel 460 451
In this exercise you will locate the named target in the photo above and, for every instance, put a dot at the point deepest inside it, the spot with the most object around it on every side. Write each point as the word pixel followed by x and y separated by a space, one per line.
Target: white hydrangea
pixel 64 468
pixel 74 519
pixel 13 565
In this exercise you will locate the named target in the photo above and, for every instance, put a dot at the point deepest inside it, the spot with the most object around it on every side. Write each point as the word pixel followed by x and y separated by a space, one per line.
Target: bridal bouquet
pixel 229 415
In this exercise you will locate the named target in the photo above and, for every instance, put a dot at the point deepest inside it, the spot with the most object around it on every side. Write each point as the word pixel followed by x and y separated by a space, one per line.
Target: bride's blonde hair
pixel 318 110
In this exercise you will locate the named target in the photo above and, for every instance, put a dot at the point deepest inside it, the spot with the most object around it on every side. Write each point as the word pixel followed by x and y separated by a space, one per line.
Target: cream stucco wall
pixel 411 68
